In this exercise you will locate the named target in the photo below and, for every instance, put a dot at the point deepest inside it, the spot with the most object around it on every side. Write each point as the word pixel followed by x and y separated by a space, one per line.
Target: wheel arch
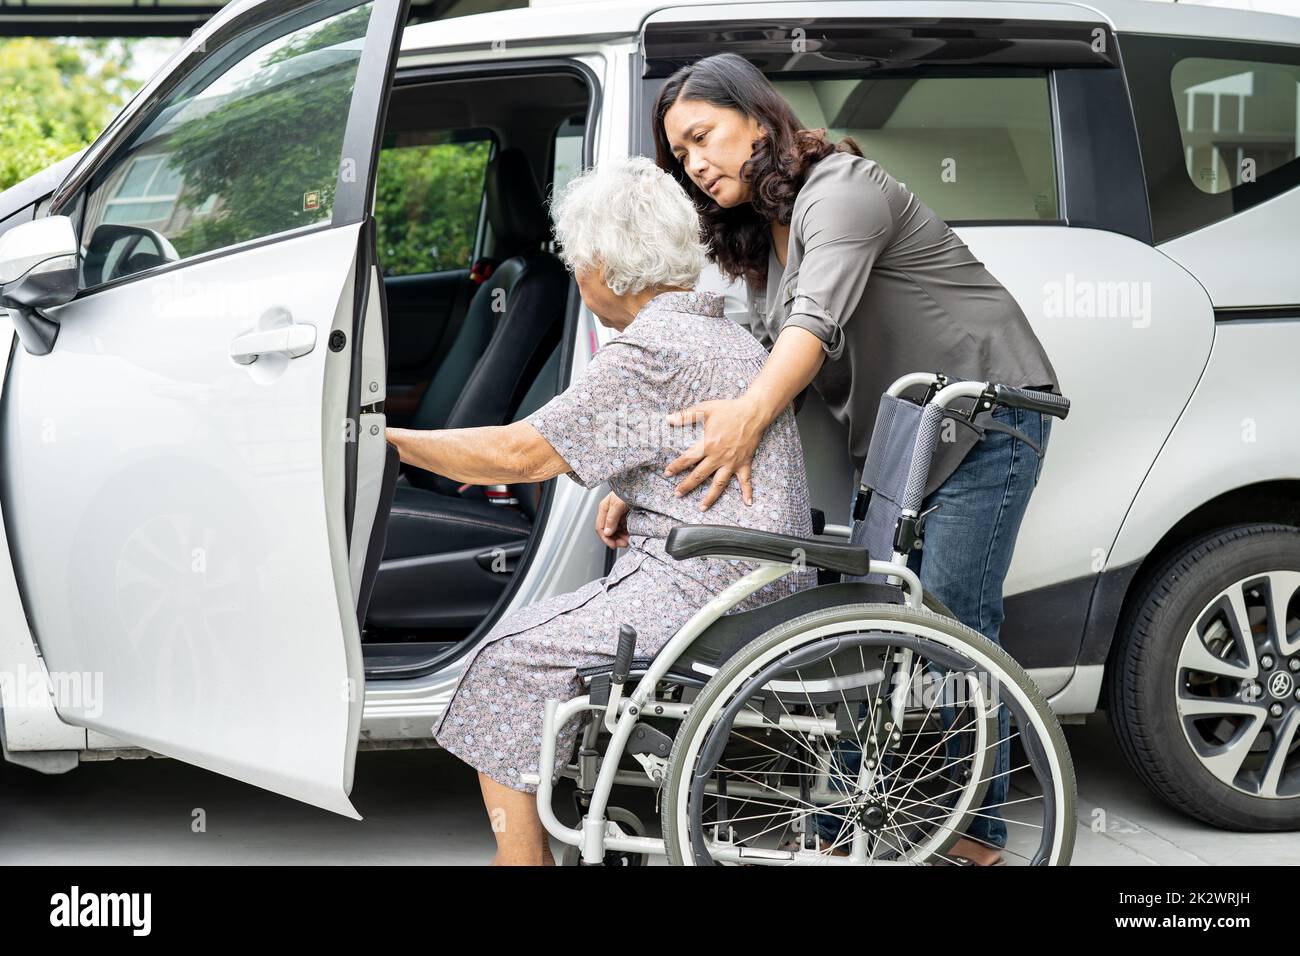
pixel 1118 589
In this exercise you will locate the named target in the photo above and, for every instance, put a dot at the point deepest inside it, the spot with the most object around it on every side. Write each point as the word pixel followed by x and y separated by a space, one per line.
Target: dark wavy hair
pixel 739 239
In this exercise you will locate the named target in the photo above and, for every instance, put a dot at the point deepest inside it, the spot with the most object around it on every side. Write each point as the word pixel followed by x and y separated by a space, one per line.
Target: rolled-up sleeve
pixel 844 228
pixel 609 419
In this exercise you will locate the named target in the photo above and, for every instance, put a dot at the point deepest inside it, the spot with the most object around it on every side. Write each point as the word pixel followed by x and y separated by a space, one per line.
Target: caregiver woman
pixel 852 282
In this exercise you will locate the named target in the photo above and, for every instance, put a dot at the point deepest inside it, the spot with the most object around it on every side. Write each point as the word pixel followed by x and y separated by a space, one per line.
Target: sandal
pixel 957 859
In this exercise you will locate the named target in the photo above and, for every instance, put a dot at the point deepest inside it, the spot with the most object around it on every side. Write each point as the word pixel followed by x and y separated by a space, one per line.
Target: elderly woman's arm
pixel 497 454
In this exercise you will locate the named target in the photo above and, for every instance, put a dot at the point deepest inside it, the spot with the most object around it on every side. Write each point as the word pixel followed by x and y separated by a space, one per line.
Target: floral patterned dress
pixel 609 426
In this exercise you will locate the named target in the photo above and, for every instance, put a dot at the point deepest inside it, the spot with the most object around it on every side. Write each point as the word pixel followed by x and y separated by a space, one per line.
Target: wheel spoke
pixel 1225 761
pixel 929 750
pixel 1277 757
pixel 1193 707
pixel 991 806
pixel 897 802
pixel 986 748
pixel 1282 586
pixel 1242 629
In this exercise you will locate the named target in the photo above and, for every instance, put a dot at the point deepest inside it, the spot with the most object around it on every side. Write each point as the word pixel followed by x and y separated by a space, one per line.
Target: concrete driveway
pixel 423 806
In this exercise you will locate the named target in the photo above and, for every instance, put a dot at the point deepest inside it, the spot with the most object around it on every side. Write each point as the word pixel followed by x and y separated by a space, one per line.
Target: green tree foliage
pixel 427 206
pixel 55 97
pixel 259 148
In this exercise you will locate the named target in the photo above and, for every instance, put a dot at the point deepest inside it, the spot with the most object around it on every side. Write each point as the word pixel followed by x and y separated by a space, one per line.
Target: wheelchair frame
pixel 596 834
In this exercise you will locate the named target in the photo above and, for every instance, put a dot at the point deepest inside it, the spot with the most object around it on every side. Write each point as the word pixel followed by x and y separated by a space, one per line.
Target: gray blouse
pixel 890 289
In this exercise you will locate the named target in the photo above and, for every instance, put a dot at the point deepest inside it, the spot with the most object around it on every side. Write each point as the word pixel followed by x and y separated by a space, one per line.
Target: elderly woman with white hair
pixel 632 239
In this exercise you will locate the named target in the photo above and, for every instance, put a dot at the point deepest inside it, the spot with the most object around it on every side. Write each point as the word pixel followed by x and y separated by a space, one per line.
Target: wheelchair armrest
pixel 699 540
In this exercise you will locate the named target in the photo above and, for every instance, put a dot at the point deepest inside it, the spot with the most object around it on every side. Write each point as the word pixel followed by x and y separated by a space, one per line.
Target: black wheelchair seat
pixel 729 633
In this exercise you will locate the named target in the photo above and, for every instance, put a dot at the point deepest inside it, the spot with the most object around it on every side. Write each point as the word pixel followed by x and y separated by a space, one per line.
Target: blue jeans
pixel 969 540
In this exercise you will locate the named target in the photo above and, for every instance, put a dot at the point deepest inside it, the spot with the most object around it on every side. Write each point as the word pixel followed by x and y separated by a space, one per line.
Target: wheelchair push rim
pixel 882 811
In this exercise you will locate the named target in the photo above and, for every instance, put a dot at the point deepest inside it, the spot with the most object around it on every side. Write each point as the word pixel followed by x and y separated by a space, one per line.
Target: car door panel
pixel 182 472
pixel 1268 230
pixel 1097 300
pixel 174 544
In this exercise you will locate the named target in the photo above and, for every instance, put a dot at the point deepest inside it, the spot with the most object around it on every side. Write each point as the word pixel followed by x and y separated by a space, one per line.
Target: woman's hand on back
pixel 734 426
pixel 611 521
pixel 732 430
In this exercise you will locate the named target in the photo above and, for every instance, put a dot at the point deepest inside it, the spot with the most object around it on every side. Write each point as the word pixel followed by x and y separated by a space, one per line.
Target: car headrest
pixel 514 203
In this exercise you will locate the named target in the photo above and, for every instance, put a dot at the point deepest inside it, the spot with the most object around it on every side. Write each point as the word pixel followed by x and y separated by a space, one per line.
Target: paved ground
pixel 423 807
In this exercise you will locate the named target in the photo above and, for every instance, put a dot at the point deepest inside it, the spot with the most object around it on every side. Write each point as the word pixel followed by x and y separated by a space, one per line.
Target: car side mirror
pixel 38 270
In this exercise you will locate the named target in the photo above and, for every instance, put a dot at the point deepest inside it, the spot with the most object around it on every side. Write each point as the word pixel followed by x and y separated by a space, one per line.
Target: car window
pixel 566 152
pixel 566 159
pixel 971 148
pixel 248 145
pixel 1237 120
pixel 1218 125
pixel 429 199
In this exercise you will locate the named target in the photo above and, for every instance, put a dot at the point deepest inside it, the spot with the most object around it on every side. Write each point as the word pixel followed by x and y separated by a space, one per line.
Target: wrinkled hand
pixel 732 429
pixel 611 521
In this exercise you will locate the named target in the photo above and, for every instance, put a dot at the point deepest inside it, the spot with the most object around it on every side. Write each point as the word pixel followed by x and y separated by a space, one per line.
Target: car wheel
pixel 1203 685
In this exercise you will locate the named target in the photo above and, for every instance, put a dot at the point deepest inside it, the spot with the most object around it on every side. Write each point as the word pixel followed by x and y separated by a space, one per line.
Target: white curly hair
pixel 633 218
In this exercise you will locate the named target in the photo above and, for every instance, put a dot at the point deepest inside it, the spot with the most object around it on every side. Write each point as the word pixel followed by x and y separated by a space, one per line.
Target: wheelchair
pixel 861 700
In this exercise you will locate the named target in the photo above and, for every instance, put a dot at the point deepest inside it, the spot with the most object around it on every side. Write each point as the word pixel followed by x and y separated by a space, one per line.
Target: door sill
pixel 406 659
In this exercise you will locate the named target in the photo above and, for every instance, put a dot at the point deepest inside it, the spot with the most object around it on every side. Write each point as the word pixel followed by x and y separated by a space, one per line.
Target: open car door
pixel 193 465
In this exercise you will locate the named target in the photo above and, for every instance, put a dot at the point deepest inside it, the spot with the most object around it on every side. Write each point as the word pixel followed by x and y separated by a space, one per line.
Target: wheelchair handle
pixel 988 394
pixel 623 656
pixel 943 391
pixel 1033 400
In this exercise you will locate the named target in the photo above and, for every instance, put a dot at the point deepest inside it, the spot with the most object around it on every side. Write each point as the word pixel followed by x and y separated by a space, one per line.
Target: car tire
pixel 1170 716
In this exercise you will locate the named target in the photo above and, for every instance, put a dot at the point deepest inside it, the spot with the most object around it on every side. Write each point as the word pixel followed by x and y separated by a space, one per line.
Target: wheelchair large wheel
pixel 802 724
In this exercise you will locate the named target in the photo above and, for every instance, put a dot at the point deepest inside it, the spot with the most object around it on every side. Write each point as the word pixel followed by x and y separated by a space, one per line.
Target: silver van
pixel 312 223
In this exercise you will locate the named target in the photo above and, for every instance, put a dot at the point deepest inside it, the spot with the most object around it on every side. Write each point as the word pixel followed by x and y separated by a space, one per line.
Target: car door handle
pixel 293 340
